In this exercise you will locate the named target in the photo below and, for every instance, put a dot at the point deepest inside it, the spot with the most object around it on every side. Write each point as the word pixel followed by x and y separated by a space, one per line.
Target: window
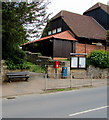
pixel 54 31
pixel 49 32
pixel 59 29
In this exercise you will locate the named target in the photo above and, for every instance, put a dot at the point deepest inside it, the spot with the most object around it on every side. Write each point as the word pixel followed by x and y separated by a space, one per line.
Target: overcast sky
pixel 76 6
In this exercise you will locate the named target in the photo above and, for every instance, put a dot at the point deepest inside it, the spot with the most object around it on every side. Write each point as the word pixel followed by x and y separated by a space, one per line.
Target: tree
pixel 16 16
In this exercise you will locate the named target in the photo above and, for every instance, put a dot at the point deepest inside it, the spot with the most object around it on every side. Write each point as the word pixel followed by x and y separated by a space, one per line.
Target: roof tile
pixel 98 5
pixel 82 25
pixel 66 35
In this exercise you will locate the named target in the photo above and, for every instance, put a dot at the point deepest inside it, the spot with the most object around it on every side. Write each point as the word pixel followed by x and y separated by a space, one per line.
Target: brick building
pixel 68 32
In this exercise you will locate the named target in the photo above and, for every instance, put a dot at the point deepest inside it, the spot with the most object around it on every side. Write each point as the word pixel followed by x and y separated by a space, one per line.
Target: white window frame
pixel 54 31
pixel 59 29
pixel 49 33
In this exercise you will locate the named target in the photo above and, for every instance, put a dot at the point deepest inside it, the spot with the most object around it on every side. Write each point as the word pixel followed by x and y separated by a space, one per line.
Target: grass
pixel 60 89
pixel 36 68
pixel 66 89
pixel 63 60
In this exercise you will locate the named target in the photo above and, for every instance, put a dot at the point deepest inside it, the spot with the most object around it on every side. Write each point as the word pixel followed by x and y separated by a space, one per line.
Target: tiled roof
pixel 66 35
pixel 98 5
pixel 82 25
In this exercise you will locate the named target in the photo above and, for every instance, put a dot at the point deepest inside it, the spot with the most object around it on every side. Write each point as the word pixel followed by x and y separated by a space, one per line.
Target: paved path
pixel 85 103
pixel 36 84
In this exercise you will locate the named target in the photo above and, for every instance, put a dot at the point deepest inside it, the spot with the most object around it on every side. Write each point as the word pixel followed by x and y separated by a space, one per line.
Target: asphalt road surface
pixel 84 103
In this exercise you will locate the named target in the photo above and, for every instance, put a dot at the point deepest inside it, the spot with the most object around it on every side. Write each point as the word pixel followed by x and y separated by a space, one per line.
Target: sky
pixel 75 6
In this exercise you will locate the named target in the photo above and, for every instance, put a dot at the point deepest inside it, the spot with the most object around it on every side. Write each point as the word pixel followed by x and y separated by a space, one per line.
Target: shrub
pixel 18 64
pixel 99 58
pixel 22 64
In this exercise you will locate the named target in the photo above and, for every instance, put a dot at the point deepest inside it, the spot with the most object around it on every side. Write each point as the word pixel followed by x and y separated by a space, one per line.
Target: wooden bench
pixel 13 75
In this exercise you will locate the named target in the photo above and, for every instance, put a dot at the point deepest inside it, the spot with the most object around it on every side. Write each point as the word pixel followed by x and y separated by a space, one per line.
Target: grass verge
pixel 59 89
pixel 65 89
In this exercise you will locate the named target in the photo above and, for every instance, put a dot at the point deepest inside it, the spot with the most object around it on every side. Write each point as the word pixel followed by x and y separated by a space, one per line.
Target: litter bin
pixel 64 72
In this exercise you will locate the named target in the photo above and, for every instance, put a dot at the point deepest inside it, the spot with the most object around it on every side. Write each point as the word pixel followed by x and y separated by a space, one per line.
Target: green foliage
pixel 99 58
pixel 39 54
pixel 22 64
pixel 63 59
pixel 16 16
pixel 36 68
pixel 12 65
pixel 61 89
pixel 13 32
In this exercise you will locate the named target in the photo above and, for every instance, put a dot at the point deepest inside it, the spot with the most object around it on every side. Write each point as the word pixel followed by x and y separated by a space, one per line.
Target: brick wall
pixel 82 48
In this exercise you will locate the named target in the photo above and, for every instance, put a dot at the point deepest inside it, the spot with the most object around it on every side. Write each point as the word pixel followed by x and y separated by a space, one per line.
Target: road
pixel 84 103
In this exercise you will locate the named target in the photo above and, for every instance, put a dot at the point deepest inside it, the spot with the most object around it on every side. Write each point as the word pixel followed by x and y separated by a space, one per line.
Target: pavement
pixel 35 85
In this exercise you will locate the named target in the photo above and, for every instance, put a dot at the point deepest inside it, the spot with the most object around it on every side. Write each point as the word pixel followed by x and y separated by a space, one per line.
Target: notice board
pixel 78 62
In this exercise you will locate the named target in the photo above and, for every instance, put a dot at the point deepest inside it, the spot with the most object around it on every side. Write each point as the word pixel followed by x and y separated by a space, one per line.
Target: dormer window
pixel 54 31
pixel 59 29
pixel 49 32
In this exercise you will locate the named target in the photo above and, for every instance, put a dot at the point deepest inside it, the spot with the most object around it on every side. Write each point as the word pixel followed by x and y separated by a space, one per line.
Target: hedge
pixel 99 58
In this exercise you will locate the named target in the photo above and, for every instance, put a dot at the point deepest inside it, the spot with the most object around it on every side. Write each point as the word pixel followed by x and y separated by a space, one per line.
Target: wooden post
pixel 85 47
pixel 45 82
pixel 71 80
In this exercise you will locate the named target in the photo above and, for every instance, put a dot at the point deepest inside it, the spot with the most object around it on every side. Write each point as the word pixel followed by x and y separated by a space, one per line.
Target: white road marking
pixel 86 111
